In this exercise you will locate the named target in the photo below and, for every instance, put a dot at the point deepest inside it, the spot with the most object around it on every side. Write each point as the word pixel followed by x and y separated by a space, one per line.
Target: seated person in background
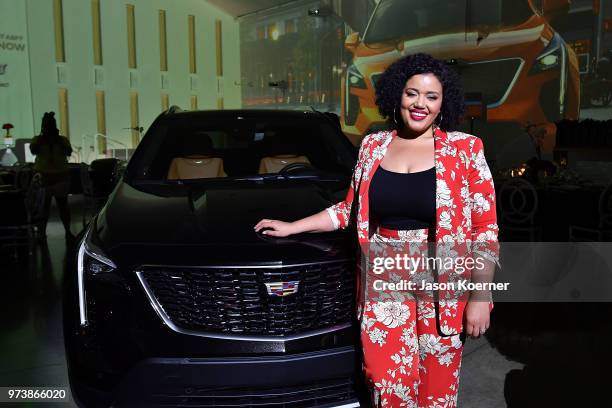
pixel 197 160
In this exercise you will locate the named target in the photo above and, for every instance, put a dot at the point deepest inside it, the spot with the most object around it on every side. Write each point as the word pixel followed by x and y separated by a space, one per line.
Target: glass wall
pixel 525 64
pixel 293 58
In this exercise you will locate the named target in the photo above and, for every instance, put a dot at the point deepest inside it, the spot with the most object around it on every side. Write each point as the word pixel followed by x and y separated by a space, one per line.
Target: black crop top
pixel 403 201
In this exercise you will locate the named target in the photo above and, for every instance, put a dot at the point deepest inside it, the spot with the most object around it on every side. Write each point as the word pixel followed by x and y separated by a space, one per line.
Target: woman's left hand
pixel 477 314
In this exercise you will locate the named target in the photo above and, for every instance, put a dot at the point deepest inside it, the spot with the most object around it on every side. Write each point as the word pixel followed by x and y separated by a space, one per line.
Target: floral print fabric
pixel 406 360
pixel 465 205
pixel 411 345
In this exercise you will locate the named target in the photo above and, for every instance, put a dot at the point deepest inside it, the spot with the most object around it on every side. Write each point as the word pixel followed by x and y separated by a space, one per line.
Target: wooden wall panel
pixel 219 47
pixel 135 121
pixel 97 32
pixel 64 120
pixel 58 26
pixel 131 36
pixel 101 119
pixel 165 102
pixel 192 44
pixel 163 42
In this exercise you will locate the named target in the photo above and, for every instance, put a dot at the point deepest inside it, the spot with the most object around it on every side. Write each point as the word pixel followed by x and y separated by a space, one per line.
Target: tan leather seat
pixel 273 164
pixel 194 167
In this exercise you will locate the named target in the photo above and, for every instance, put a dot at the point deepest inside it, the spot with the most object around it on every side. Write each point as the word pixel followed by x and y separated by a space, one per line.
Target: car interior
pixel 214 153
pixel 197 161
pixel 280 153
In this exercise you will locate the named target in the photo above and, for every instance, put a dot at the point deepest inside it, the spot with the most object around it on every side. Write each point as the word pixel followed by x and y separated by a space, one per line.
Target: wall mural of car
pixel 173 299
pixel 509 56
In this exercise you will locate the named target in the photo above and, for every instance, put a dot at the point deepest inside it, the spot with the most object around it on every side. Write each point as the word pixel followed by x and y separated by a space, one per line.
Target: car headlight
pixel 354 78
pixel 91 261
pixel 551 57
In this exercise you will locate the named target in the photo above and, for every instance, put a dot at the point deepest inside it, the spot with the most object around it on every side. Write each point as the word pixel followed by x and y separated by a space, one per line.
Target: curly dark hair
pixel 391 83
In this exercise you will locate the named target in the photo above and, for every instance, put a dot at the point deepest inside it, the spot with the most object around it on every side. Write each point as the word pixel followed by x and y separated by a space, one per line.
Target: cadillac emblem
pixel 282 288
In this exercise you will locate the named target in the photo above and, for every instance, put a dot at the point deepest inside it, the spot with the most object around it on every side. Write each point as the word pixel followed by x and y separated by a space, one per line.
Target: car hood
pixel 218 217
pixel 473 46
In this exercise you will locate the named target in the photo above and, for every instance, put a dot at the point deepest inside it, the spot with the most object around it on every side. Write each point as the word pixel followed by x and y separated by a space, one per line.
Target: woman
pixel 51 163
pixel 411 183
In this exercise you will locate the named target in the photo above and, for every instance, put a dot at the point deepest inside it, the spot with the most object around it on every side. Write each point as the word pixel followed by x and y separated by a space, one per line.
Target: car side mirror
pixel 103 173
pixel 352 41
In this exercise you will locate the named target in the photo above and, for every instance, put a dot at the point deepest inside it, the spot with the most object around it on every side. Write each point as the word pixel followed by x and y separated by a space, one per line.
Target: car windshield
pixel 407 19
pixel 194 147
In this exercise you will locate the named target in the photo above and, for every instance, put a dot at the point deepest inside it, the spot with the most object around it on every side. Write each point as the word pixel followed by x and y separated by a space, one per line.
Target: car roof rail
pixel 331 117
pixel 174 109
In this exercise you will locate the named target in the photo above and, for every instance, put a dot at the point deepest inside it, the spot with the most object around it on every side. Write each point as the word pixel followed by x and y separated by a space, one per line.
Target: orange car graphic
pixel 507 53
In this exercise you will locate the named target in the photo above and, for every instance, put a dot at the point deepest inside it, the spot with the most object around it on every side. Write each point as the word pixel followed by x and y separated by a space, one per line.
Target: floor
pixel 31 342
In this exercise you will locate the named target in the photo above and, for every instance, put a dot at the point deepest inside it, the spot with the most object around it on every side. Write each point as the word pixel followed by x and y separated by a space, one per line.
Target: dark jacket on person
pixel 51 153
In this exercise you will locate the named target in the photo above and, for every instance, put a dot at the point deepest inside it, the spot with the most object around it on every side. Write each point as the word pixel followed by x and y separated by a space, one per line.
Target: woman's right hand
pixel 275 228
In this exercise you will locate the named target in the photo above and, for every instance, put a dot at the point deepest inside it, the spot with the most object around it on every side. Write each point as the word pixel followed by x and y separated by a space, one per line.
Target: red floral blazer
pixel 465 202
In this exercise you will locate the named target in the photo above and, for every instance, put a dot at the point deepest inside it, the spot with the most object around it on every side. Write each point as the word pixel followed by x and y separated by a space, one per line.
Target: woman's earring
pixel 394 120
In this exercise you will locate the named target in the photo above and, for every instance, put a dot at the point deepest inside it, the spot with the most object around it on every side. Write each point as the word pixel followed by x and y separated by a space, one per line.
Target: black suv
pixel 171 297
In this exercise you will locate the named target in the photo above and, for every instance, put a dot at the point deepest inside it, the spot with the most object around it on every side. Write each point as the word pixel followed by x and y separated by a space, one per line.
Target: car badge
pixel 282 288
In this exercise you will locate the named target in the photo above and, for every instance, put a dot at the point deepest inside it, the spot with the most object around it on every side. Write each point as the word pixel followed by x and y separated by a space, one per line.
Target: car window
pixel 395 19
pixel 190 148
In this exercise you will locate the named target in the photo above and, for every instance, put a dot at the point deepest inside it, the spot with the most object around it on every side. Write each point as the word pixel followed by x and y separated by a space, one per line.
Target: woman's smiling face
pixel 421 102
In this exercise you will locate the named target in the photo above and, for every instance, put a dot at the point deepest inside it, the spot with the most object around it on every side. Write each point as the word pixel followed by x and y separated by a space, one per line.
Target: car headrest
pixel 273 164
pixel 194 167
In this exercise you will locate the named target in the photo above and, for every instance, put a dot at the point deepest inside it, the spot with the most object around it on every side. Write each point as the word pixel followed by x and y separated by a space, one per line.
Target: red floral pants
pixel 407 362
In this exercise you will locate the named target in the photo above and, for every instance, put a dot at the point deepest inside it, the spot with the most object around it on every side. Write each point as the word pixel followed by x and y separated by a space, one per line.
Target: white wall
pixel 15 97
pixel 79 66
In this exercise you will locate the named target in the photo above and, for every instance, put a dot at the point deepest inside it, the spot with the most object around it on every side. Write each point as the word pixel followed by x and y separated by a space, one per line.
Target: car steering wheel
pixel 294 166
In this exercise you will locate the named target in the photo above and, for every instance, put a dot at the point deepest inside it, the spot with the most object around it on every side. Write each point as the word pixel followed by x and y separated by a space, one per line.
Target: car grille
pixel 235 300
pixel 491 78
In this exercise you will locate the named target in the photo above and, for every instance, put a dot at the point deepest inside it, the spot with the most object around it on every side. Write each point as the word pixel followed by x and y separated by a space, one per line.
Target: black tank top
pixel 403 201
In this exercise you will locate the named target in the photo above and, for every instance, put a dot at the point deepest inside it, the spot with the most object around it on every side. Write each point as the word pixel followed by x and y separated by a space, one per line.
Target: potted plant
pixel 8 158
pixel 7 127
